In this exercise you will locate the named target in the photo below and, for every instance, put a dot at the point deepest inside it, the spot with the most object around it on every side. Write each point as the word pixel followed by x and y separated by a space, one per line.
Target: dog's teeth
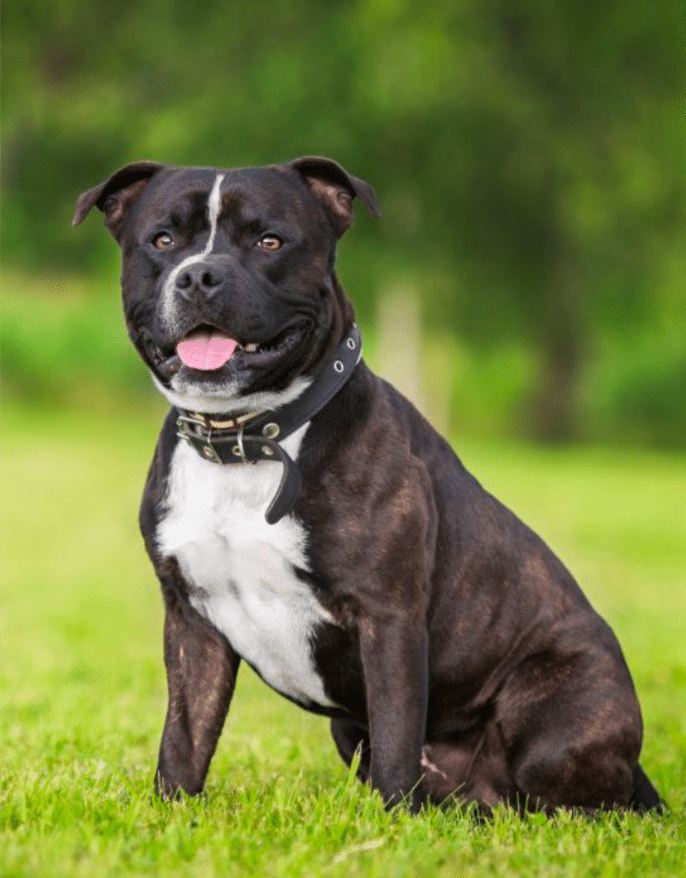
pixel 250 348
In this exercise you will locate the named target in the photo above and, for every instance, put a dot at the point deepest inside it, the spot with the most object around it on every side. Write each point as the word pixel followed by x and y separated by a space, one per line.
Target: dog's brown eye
pixel 162 241
pixel 270 242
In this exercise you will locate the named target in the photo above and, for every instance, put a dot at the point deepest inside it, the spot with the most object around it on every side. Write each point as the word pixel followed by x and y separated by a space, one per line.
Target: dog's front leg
pixel 201 675
pixel 394 651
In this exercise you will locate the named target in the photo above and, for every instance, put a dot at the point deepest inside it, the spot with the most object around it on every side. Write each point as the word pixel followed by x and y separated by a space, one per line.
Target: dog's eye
pixel 162 241
pixel 270 242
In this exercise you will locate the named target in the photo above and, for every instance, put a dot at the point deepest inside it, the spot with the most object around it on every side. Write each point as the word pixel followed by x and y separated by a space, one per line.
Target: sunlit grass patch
pixel 84 691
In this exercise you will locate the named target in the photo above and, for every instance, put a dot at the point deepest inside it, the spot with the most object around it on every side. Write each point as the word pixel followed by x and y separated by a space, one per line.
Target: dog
pixel 302 515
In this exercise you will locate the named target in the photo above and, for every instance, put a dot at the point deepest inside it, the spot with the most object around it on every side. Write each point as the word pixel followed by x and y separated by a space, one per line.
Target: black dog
pixel 302 515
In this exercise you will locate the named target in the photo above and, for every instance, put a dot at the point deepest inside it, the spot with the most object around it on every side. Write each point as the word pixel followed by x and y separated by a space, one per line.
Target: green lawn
pixel 84 692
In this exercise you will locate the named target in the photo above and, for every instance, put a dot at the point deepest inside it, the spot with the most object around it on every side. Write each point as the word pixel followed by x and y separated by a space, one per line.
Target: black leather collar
pixel 251 436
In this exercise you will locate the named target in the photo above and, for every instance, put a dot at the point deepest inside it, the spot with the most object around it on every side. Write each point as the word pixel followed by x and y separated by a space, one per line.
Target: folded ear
pixel 336 188
pixel 117 194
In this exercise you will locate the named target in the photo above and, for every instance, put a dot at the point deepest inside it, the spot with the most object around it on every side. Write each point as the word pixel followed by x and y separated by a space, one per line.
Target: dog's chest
pixel 241 571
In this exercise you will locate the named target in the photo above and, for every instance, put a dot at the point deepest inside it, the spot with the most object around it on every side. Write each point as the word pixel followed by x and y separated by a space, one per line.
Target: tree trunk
pixel 399 345
pixel 562 345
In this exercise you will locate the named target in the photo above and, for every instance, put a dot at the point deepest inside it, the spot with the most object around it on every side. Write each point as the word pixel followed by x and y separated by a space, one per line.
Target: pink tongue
pixel 206 349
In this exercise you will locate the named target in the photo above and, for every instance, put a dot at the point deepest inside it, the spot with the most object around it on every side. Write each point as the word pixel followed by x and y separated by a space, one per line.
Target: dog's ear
pixel 115 196
pixel 336 188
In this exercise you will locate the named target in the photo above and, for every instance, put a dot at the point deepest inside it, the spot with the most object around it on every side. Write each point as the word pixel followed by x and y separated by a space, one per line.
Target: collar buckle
pixel 198 434
pixel 190 425
pixel 239 450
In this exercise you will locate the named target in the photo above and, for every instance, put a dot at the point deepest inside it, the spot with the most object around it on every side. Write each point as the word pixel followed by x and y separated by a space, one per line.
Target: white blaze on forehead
pixel 214 205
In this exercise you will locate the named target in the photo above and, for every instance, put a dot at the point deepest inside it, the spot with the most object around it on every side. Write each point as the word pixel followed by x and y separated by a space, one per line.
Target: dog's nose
pixel 199 281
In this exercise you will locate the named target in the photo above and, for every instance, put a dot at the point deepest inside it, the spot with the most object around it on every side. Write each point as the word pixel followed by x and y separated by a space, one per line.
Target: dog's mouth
pixel 208 349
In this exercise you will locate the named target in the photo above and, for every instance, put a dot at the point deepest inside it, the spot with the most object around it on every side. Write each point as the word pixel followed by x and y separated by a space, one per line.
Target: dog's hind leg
pixel 471 766
pixel 572 730
pixel 644 796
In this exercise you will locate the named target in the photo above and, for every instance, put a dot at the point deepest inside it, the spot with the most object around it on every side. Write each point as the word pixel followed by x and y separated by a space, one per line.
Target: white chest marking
pixel 242 570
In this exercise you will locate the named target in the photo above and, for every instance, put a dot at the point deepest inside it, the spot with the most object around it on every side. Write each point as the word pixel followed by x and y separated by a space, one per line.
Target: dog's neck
pixel 249 436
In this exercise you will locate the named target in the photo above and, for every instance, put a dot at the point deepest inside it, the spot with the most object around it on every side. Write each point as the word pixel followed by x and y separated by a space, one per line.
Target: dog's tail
pixel 644 796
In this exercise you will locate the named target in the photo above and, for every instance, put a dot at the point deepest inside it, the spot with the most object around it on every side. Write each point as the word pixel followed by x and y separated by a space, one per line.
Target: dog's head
pixel 228 276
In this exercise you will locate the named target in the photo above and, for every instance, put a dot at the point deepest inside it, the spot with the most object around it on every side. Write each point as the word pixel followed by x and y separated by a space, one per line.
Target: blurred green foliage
pixel 528 156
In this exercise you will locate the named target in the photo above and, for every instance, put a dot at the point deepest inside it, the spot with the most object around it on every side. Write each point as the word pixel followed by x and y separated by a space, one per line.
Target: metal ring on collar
pixel 241 449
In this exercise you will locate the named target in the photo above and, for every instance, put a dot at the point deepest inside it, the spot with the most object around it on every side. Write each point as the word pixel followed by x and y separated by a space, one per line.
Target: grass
pixel 84 691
